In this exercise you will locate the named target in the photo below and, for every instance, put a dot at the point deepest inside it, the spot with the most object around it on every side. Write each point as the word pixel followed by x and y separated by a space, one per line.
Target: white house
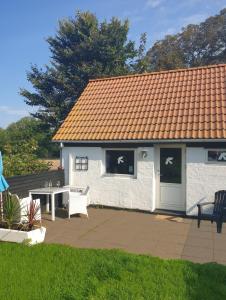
pixel 150 141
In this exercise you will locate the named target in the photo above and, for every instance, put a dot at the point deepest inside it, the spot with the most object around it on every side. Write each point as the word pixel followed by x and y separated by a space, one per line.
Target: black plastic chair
pixel 219 210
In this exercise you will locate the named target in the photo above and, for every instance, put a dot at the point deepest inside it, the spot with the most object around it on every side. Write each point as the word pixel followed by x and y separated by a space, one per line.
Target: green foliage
pixel 3 138
pixel 195 45
pixel 62 272
pixel 141 64
pixel 83 48
pixel 25 129
pixel 20 158
pixel 11 209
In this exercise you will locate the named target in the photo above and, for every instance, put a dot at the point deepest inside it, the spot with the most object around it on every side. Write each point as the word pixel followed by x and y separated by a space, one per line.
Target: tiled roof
pixel 179 104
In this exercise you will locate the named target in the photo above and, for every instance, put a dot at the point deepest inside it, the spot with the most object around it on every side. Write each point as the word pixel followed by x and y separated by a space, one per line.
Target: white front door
pixel 171 177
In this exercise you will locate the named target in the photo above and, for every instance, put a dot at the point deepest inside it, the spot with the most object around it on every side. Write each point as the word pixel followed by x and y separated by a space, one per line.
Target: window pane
pixel 214 155
pixel 78 167
pixel 77 160
pixel 84 166
pixel 81 163
pixel 170 165
pixel 120 162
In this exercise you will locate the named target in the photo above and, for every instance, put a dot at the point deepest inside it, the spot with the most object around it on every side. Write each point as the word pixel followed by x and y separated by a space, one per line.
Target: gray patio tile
pixel 142 233
pixel 201 229
pixel 141 247
pixel 199 242
pixel 198 252
pixel 204 223
pixel 121 238
pixel 96 244
pixel 200 234
pixel 172 238
pixel 219 243
pixel 176 248
pixel 219 236
pixel 220 255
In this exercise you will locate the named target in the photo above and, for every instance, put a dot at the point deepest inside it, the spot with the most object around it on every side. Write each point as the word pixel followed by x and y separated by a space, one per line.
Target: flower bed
pixel 31 237
pixel 21 220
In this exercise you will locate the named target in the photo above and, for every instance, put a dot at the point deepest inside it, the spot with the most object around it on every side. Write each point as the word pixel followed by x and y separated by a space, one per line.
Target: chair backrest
pixel 85 192
pixel 220 201
pixel 24 203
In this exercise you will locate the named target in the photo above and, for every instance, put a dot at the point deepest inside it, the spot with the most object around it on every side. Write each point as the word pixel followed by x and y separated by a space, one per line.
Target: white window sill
pixel 123 176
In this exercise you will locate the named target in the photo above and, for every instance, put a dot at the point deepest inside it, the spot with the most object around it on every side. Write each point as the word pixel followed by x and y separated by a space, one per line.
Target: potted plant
pixel 21 224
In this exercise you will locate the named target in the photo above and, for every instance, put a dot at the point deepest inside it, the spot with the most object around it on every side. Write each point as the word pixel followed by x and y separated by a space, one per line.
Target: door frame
pixel 157 171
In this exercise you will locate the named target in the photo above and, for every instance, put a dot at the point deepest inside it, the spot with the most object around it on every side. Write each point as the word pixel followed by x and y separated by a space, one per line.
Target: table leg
pixel 53 206
pixel 47 203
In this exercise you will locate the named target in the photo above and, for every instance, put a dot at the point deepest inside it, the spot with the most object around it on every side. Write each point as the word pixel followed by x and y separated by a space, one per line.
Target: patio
pixel 142 233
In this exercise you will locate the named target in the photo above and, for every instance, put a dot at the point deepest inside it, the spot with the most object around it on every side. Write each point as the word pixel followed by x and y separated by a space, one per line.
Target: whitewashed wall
pixel 203 179
pixel 117 191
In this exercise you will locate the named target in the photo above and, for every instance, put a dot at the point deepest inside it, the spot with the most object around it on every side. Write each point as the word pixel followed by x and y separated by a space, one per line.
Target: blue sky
pixel 24 25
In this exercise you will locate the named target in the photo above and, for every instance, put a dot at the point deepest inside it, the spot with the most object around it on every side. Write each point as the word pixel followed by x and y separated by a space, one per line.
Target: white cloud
pixel 154 3
pixel 194 19
pixel 12 111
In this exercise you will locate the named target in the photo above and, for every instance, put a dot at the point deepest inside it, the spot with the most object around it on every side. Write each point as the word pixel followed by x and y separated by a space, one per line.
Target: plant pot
pixel 32 237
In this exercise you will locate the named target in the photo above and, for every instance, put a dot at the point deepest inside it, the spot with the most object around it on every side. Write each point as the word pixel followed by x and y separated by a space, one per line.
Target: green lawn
pixel 61 272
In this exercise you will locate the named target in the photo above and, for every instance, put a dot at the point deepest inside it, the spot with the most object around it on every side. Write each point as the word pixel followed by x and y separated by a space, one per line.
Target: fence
pixel 20 185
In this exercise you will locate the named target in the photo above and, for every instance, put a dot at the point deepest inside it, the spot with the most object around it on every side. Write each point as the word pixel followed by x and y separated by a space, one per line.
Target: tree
pixel 25 129
pixel 2 138
pixel 20 159
pixel 82 48
pixel 195 45
pixel 141 63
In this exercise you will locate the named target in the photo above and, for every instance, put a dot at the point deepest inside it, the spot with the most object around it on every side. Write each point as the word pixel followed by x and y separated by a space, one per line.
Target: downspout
pixel 61 156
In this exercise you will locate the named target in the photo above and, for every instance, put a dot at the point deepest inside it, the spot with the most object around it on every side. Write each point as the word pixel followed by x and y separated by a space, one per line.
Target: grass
pixel 61 272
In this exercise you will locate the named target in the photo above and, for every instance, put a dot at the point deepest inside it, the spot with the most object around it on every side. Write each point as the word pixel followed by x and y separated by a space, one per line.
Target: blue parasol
pixel 3 184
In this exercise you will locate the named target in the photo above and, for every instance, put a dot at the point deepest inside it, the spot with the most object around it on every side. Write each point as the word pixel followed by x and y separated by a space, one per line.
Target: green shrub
pixel 20 159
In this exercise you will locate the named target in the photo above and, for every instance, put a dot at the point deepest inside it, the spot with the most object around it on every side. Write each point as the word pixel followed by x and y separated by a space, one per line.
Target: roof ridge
pixel 157 72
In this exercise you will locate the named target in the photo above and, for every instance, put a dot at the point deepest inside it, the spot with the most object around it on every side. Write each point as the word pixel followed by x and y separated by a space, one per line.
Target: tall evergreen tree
pixel 82 48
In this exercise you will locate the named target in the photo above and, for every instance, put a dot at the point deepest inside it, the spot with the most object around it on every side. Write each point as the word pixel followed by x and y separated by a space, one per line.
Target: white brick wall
pixel 203 179
pixel 118 191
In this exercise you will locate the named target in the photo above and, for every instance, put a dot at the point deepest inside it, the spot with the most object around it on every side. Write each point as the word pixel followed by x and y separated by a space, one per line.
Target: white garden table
pixel 49 191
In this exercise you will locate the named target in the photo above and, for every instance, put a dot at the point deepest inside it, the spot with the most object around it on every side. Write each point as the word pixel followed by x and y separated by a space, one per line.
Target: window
pixel 120 162
pixel 216 155
pixel 170 165
pixel 81 163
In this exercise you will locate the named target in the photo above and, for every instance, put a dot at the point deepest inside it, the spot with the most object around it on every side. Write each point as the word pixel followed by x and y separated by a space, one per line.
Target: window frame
pixel 218 162
pixel 81 163
pixel 105 174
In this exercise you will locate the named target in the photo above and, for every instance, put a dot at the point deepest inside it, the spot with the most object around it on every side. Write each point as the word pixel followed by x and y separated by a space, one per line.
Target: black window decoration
pixel 120 162
pixel 81 163
pixel 217 156
pixel 170 165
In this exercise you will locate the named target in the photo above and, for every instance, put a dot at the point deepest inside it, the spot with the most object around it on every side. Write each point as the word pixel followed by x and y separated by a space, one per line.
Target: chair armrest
pixel 205 203
pixel 200 205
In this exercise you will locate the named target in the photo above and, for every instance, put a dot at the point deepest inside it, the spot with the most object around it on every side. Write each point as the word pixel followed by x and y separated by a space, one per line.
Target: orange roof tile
pixel 177 104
